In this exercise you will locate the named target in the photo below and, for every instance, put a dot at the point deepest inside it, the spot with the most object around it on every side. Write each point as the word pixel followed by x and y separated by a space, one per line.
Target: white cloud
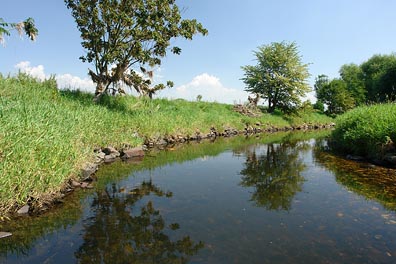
pixel 205 84
pixel 68 81
pixel 36 72
pixel 209 87
pixel 64 81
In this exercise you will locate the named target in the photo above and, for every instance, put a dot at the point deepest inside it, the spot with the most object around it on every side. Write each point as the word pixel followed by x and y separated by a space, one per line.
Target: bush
pixel 366 131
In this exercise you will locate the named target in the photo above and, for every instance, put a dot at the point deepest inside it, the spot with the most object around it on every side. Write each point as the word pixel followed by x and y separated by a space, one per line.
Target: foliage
pixel 26 26
pixel 121 37
pixel 279 76
pixel 334 94
pixel 373 81
pixel 366 131
pixel 379 77
pixel 352 75
pixel 319 106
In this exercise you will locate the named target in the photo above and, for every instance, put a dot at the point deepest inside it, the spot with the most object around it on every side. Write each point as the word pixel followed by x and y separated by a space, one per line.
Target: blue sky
pixel 328 34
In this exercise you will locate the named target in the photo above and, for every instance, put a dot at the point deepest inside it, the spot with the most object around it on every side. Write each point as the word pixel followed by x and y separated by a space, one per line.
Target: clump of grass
pixel 366 131
pixel 46 135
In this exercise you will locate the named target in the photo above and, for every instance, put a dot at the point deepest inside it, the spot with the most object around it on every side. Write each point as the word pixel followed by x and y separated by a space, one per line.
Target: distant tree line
pixel 373 81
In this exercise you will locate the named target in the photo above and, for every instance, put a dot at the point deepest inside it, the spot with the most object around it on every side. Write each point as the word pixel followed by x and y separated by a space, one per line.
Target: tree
pixel 321 82
pixel 279 76
pixel 27 26
pixel 334 94
pixel 123 37
pixel 378 78
pixel 352 75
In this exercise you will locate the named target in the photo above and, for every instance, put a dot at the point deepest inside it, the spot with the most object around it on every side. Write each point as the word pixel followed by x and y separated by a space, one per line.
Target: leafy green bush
pixel 366 131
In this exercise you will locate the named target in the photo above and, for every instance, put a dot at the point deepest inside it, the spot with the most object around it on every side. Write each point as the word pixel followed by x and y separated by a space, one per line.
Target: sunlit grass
pixel 366 130
pixel 47 135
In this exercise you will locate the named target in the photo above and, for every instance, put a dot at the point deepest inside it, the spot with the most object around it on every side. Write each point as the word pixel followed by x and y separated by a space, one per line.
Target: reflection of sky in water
pixel 326 222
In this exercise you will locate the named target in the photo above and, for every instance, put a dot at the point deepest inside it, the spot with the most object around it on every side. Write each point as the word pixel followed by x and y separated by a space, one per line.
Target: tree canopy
pixel 379 77
pixel 279 76
pixel 373 81
pixel 334 93
pixel 122 38
pixel 27 26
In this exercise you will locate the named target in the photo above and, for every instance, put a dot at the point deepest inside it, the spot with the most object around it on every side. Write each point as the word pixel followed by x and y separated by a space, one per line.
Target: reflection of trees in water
pixel 372 182
pixel 119 233
pixel 274 173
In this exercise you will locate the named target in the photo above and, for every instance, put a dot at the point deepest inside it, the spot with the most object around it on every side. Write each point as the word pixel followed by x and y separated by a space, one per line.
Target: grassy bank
pixel 47 135
pixel 366 131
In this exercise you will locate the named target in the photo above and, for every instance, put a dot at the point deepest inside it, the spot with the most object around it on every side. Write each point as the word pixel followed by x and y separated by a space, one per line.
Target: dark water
pixel 274 199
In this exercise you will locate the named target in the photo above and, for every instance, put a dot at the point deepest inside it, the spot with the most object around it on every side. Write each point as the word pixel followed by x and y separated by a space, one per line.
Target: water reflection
pixel 119 232
pixel 274 171
pixel 372 182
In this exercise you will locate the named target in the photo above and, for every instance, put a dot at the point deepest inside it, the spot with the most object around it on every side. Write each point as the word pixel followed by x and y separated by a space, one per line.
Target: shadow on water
pixel 274 171
pixel 369 181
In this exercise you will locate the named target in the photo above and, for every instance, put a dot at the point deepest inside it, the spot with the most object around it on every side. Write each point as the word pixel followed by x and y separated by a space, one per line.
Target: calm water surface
pixel 273 199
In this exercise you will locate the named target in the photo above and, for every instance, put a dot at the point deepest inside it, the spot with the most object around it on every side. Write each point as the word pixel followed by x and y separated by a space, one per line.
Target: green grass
pixel 47 135
pixel 366 131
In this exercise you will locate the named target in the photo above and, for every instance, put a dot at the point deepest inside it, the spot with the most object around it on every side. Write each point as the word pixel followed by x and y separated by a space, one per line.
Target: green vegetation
pixel 27 26
pixel 123 38
pixel 46 135
pixel 334 94
pixel 373 81
pixel 367 131
pixel 279 76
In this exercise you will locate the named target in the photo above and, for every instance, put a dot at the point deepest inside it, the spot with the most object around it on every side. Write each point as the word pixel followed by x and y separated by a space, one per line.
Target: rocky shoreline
pixel 109 154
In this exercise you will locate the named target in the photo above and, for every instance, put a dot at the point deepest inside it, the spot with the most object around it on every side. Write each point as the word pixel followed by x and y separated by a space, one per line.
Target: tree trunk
pixel 101 88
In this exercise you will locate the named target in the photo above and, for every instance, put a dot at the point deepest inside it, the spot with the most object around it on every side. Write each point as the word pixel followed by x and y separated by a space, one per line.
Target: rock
pixel 162 142
pixel 23 210
pixel 5 234
pixel 109 150
pixel 88 170
pixel 109 159
pixel 391 158
pixel 101 155
pixel 355 158
pixel 75 184
pixel 133 152
pixel 84 185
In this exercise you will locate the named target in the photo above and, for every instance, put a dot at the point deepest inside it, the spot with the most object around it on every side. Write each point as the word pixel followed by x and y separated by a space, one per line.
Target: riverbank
pixel 48 136
pixel 367 133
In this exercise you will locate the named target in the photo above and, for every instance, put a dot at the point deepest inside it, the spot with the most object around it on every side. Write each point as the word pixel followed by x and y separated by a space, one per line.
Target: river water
pixel 278 198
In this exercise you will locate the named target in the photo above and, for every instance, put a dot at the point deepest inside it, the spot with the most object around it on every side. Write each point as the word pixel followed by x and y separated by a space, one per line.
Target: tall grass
pixel 366 131
pixel 46 135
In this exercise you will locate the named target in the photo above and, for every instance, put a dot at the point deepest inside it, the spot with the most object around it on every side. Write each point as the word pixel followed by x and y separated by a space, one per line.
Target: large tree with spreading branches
pixel 126 39
pixel 279 76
